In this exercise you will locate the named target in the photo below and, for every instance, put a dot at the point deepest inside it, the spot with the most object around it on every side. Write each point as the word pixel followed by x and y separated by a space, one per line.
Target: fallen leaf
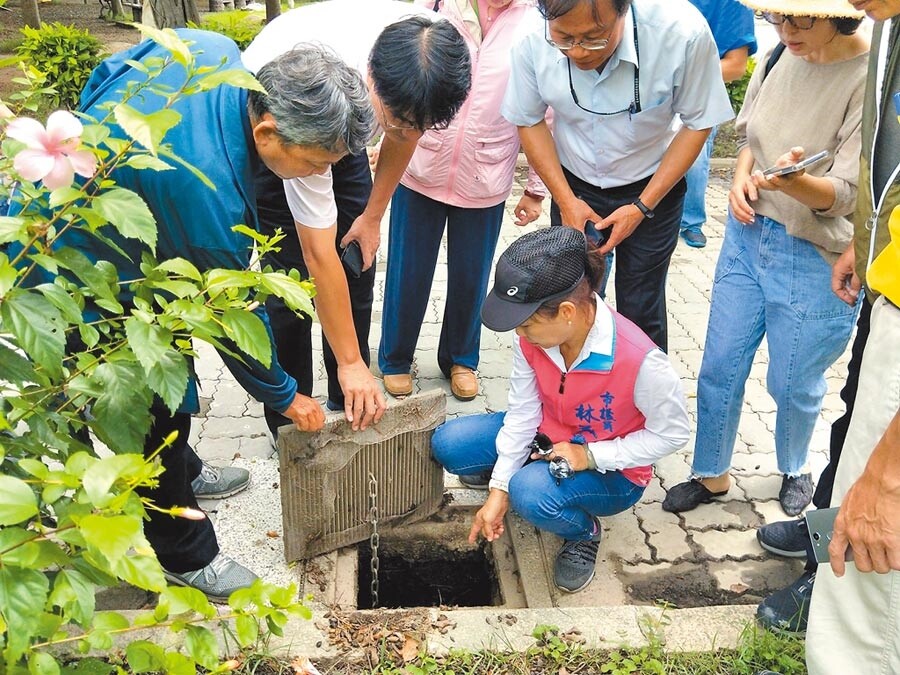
pixel 302 666
pixel 740 589
pixel 272 534
pixel 410 650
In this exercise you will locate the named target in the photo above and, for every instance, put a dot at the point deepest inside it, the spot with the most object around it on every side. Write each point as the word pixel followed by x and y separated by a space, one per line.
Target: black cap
pixel 538 267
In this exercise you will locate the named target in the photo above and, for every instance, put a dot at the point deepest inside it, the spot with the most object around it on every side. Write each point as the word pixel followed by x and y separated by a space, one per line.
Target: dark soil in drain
pixel 416 574
pixel 687 588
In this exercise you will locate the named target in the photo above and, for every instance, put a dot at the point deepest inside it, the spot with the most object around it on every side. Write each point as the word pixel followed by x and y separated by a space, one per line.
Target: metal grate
pixel 325 476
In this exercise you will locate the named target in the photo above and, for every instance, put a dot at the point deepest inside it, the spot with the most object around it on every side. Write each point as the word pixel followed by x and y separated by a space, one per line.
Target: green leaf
pixel 202 646
pixel 107 621
pixel 122 408
pixel 8 275
pixel 186 599
pixel 102 475
pixel 37 327
pixel 11 228
pixel 128 213
pixel 142 162
pixel 249 334
pixel 221 279
pixel 234 77
pixel 167 38
pixel 21 591
pixel 17 501
pixel 34 467
pixel 110 537
pixel 15 367
pixel 247 628
pixel 169 378
pixel 181 267
pixel 149 342
pixel 89 273
pixel 296 294
pixel 145 657
pixel 42 663
pixel 142 571
pixel 65 195
pixel 63 301
pixel 148 129
pixel 179 664
pixel 74 594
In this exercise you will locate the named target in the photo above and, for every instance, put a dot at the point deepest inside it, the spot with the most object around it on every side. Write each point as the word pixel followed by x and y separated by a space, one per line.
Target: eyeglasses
pixel 389 126
pixel 798 22
pixel 631 109
pixel 591 45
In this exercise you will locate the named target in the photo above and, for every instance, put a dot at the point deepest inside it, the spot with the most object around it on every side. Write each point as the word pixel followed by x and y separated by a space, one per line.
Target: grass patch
pixel 8 46
pixel 726 143
pixel 557 653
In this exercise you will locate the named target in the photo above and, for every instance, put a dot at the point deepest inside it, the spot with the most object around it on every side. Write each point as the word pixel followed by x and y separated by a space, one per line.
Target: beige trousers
pixel 854 621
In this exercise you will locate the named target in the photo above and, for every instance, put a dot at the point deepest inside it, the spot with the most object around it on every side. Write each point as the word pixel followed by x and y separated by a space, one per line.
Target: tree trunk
pixel 174 13
pixel 273 10
pixel 117 8
pixel 31 15
pixel 216 5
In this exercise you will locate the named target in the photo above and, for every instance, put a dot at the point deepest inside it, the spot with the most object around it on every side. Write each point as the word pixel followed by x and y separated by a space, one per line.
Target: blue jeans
pixel 767 283
pixel 697 177
pixel 417 225
pixel 467 445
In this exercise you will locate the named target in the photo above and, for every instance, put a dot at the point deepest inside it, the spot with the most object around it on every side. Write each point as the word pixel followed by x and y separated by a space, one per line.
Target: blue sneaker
pixel 694 238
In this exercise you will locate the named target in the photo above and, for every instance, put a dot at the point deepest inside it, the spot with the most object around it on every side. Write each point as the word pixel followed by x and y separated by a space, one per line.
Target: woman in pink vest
pixel 606 400
pixel 458 179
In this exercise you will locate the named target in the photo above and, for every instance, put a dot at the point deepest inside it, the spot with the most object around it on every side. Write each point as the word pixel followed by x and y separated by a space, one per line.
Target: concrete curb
pixel 680 630
pixel 722 162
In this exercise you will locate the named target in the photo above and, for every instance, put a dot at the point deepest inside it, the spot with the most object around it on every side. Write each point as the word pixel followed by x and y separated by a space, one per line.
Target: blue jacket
pixel 194 221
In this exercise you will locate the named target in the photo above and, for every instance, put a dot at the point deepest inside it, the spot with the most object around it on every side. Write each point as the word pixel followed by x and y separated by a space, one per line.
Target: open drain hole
pixel 427 574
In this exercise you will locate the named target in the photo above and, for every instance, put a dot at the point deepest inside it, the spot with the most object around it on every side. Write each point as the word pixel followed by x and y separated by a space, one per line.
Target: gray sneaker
pixel 217 580
pixel 574 566
pixel 220 482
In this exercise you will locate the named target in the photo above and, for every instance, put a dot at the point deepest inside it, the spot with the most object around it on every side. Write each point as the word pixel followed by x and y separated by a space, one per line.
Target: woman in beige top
pixel 773 275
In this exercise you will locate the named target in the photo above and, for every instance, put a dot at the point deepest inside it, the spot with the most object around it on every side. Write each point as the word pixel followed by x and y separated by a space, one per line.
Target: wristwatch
pixel 643 208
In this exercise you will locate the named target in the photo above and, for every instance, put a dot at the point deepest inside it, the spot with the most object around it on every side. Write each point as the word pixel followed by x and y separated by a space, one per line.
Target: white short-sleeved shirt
pixel 347 27
pixel 679 75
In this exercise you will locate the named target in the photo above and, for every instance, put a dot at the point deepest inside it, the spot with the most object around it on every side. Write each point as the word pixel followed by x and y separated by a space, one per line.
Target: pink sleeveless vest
pixel 596 399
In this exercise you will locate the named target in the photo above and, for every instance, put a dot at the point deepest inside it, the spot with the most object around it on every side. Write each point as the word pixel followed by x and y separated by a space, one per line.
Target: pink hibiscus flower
pixel 51 154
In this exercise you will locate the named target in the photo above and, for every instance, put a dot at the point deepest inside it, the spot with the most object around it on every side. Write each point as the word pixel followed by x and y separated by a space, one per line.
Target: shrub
pixel 65 54
pixel 738 88
pixel 239 25
pixel 70 516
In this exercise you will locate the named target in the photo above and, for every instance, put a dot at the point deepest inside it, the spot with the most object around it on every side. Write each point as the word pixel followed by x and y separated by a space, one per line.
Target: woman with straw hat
pixel 773 275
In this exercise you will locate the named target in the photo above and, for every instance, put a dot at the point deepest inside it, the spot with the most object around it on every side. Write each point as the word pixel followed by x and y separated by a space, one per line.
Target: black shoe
pixel 788 538
pixel 476 481
pixel 689 495
pixel 787 610
pixel 694 238
pixel 796 493
pixel 574 566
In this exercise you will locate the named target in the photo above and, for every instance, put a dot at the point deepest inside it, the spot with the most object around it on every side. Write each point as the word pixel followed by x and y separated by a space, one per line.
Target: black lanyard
pixel 635 106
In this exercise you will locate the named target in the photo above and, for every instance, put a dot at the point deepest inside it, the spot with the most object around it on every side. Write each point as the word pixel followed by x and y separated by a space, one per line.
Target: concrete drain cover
pixel 325 476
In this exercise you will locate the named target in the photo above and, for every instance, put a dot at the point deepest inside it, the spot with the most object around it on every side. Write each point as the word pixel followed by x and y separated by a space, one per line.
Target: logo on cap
pixel 512 291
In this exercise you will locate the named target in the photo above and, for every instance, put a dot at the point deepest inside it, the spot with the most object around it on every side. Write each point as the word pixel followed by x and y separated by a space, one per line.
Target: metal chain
pixel 374 538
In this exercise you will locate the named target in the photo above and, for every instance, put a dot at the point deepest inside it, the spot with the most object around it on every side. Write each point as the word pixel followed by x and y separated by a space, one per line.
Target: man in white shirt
pixel 617 74
pixel 418 72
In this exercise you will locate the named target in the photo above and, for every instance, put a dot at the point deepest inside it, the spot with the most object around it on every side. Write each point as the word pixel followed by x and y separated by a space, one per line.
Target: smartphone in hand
pixel 820 524
pixel 799 166
pixel 352 259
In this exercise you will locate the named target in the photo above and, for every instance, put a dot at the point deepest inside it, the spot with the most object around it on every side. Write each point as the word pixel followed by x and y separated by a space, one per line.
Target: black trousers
pixel 293 334
pixel 181 545
pixel 642 260
pixel 824 488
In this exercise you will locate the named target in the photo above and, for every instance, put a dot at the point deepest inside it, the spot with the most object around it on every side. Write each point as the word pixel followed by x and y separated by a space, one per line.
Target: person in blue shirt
pixel 731 24
pixel 297 129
